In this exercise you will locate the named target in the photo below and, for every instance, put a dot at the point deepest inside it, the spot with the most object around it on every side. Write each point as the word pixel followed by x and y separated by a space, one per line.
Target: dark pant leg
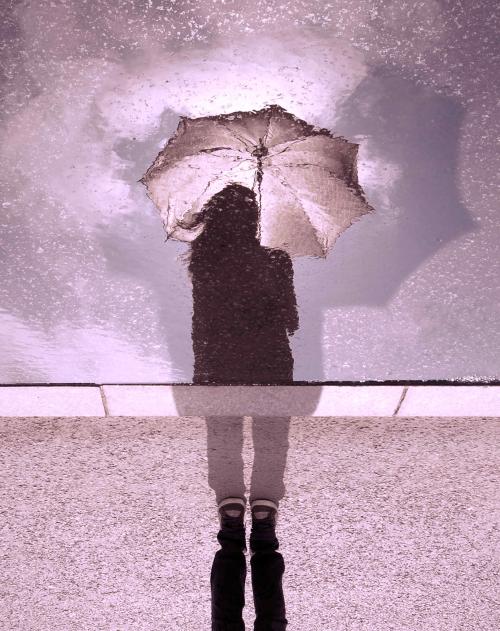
pixel 268 567
pixel 227 582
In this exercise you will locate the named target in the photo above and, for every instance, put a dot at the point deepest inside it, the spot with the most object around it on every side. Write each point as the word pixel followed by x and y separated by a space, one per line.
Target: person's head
pixel 232 215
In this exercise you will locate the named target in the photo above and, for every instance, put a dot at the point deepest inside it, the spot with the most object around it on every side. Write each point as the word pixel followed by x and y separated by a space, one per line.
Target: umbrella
pixel 304 178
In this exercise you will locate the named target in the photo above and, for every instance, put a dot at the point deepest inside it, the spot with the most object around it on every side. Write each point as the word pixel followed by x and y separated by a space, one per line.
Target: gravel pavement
pixel 385 523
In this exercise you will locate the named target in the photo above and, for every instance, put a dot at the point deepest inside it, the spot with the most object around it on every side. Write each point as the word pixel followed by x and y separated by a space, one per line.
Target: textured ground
pixel 387 523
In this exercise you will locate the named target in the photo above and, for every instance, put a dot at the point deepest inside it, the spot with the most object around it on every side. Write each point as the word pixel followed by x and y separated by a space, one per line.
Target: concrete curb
pixel 293 400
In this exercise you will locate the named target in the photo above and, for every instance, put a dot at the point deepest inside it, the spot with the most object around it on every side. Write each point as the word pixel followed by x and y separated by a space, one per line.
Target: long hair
pixel 230 221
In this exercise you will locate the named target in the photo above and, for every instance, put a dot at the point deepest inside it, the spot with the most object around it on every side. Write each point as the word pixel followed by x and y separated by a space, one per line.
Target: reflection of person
pixel 244 308
pixel 228 574
pixel 243 297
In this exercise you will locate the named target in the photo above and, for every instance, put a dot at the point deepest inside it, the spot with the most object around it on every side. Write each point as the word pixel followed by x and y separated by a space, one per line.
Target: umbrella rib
pixel 264 138
pixel 358 191
pixel 213 149
pixel 234 134
pixel 286 185
pixel 293 142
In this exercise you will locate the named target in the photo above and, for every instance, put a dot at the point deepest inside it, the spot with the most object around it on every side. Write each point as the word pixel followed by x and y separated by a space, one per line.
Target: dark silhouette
pixel 244 307
pixel 228 574
pixel 243 297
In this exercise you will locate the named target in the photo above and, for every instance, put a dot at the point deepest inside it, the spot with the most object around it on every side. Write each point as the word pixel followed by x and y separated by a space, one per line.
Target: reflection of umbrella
pixel 305 179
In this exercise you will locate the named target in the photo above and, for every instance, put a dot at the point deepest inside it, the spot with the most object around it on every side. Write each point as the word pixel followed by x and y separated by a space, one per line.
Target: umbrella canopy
pixel 304 178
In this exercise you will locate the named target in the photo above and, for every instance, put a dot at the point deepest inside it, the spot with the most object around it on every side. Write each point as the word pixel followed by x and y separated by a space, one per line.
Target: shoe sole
pixel 267 504
pixel 231 500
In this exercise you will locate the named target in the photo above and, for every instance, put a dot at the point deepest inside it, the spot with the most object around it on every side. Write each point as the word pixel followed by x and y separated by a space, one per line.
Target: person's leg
pixel 227 582
pixel 224 456
pixel 270 445
pixel 267 567
pixel 227 578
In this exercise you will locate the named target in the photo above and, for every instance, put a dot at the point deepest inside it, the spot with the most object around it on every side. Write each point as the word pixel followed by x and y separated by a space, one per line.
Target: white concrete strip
pixel 358 400
pixel 185 400
pixel 451 401
pixel 51 401
pixel 140 400
pixel 252 400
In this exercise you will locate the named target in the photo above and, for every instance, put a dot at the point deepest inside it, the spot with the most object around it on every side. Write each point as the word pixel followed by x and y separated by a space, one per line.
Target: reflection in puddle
pixel 243 298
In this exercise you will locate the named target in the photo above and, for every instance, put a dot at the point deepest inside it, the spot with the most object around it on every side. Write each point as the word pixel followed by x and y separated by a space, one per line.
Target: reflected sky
pixel 90 291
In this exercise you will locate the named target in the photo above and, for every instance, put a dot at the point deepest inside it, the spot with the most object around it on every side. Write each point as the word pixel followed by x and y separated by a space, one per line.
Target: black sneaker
pixel 264 513
pixel 231 513
pixel 263 535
